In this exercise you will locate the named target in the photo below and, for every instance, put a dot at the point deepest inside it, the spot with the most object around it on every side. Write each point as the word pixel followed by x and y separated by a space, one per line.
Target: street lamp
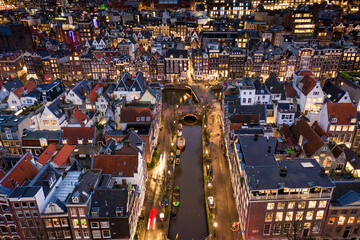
pixel 215 224
pixel 206 152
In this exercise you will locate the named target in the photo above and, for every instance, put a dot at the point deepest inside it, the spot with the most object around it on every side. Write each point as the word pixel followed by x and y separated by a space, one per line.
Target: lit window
pixel 351 220
pixel 312 204
pixel 299 215
pixel 289 216
pixel 291 205
pixel 320 215
pixel 270 206
pixel 83 223
pixel 76 223
pixel 279 216
pixel 301 204
pixel 268 217
pixel 331 220
pixel 322 204
pixel 281 205
pixel 341 220
pixel 309 215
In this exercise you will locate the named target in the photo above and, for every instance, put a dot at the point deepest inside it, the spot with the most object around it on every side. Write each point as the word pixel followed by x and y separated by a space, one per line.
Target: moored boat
pixel 181 142
pixel 177 161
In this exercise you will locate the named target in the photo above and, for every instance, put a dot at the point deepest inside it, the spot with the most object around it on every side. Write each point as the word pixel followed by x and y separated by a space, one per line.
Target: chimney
pixel 256 136
pixel 283 171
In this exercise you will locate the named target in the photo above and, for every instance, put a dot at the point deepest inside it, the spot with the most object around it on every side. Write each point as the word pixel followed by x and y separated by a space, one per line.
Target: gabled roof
pixel 82 89
pixel 345 192
pixel 319 131
pixel 24 169
pixel 13 85
pixel 88 182
pixel 344 112
pixel 80 117
pixel 121 165
pixel 55 109
pixel 27 88
pixel 308 84
pixel 73 134
pixel 311 141
pixel 47 154
pixel 289 90
pixel 333 92
pixel 62 157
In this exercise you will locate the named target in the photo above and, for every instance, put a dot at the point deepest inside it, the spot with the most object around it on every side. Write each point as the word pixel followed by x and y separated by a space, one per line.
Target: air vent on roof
pixel 283 171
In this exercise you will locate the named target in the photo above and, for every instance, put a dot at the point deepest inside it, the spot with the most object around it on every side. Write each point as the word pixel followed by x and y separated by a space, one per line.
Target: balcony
pixel 291 196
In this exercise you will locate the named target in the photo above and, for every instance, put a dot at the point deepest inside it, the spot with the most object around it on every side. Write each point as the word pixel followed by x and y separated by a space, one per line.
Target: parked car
pixel 211 202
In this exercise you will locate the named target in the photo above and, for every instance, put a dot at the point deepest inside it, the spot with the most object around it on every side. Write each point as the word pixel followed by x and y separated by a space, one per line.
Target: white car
pixel 211 202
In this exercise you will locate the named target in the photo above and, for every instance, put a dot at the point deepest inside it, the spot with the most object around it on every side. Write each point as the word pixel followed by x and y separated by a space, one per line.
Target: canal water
pixel 190 221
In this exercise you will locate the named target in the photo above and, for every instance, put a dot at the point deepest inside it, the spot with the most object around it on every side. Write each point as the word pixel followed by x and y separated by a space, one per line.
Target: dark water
pixel 190 222
pixel 173 97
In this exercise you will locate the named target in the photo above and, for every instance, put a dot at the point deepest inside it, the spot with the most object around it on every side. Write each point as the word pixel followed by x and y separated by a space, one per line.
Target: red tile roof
pixel 289 90
pixel 93 94
pixel 311 141
pixel 336 151
pixel 72 134
pixel 62 157
pixel 319 131
pixel 47 154
pixel 308 84
pixel 24 169
pixel 109 164
pixel 2 173
pixel 304 73
pixel 80 117
pixel 244 118
pixel 28 87
pixel 342 111
pixel 132 114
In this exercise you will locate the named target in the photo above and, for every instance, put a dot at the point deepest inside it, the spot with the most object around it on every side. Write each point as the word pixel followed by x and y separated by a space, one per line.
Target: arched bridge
pixel 183 87
pixel 189 111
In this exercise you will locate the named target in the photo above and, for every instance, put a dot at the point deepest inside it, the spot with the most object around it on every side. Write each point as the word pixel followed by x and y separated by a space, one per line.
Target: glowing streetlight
pixel 215 224
pixel 206 152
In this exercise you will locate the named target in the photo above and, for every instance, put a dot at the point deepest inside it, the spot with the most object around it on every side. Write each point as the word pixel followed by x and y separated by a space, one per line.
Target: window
pixel 96 234
pixel 277 228
pixel 48 223
pixel 76 223
pixel 20 214
pixel 270 206
pixel 286 228
pixel 344 212
pixel 279 216
pixel 309 215
pixel 320 215
pixel 67 234
pixel 353 212
pixel 24 205
pixel 86 233
pixel 351 220
pixel 331 220
pixel 35 213
pixel 81 212
pixel 316 228
pixel 267 229
pixel 281 205
pixel 73 212
pixel 289 216
pixel 299 215
pixel 77 233
pixel 46 123
pixel 8 218
pixel 27 214
pixel 83 223
pixel 322 204
pixel 148 119
pixel 104 224
pixel 16 205
pixel 333 213
pixel 291 205
pixel 268 217
pixel 80 141
pixel 64 222
pixel 341 220
pixel 53 122
pixel 106 233
pixel 94 225
pixel 56 222
pixel 301 204
pixel 312 204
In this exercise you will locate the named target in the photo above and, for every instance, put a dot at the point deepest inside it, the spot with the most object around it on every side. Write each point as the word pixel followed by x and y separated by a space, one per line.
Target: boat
pixel 181 142
pixel 179 132
pixel 177 161
pixel 180 126
pixel 178 152
pixel 176 196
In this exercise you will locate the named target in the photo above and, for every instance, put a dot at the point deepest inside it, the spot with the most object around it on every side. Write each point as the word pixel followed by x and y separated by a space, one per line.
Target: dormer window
pixel 75 199
pixel 90 140
pixel 334 120
pixel 353 120
pixel 64 141
pixel 119 211
pixel 80 141
pixel 137 119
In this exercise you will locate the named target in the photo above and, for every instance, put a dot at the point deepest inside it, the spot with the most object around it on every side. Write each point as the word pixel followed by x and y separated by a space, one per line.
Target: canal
pixel 190 221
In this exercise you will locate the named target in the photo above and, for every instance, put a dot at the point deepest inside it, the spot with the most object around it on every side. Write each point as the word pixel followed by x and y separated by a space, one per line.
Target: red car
pixel 152 219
